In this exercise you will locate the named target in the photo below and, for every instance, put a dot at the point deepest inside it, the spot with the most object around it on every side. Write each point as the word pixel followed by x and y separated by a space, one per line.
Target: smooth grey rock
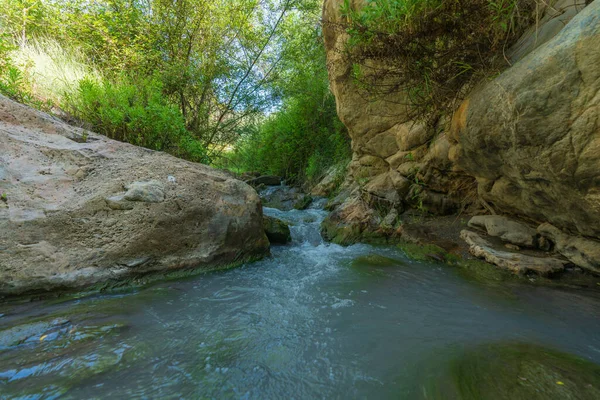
pixel 505 228
pixel 582 252
pixel 514 262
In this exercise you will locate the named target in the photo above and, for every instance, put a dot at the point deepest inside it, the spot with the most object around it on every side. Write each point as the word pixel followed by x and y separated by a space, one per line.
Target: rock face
pixel 81 208
pixel 536 152
pixel 526 144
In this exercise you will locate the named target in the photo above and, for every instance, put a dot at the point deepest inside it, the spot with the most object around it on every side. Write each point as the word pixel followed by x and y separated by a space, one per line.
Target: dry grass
pixel 51 70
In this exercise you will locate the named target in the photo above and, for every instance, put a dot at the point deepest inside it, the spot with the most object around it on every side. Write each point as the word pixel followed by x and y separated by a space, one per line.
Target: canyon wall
pixel 525 144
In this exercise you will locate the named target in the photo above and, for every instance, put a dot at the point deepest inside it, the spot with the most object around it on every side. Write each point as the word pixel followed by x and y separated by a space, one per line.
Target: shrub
pixel 136 113
pixel 430 49
pixel 299 142
pixel 12 80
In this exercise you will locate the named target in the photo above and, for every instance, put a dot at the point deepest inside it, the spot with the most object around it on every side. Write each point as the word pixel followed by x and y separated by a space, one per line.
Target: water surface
pixel 308 322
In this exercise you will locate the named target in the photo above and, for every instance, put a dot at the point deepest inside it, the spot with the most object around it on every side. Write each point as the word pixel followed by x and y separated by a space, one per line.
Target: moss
pixel 424 253
pixel 123 284
pixel 472 269
pixel 277 231
pixel 349 234
pixel 375 265
pixel 303 203
pixel 376 260
pixel 514 371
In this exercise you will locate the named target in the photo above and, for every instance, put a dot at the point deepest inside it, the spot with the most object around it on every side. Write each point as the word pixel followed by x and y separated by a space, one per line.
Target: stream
pixel 314 320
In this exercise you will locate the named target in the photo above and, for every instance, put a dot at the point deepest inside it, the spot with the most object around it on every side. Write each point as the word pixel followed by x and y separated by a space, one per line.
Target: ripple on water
pixel 311 321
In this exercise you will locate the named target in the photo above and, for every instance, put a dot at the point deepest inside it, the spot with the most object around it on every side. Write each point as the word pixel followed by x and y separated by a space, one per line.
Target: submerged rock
pixel 509 371
pixel 375 260
pixel 64 228
pixel 277 231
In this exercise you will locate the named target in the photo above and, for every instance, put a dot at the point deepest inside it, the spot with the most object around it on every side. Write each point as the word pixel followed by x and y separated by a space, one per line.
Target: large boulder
pixel 80 209
pixel 531 137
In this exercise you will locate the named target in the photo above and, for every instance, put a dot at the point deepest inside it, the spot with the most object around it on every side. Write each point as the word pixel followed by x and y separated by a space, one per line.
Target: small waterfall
pixel 305 225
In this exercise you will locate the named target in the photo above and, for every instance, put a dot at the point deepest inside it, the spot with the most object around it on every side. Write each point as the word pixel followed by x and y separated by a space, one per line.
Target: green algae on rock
pixel 277 231
pixel 513 371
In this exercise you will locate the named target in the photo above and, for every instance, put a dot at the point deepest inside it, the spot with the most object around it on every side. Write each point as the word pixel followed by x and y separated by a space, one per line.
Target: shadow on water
pixel 311 321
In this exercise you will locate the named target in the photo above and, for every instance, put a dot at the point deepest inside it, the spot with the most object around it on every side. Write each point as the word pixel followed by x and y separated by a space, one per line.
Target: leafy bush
pixel 298 142
pixel 430 49
pixel 12 80
pixel 136 113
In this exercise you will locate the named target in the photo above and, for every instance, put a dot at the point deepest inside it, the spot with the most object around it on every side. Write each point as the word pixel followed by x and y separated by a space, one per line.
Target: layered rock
pixel 526 144
pixel 81 208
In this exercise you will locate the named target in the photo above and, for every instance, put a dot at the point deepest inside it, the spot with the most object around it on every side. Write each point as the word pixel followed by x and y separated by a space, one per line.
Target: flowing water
pixel 314 320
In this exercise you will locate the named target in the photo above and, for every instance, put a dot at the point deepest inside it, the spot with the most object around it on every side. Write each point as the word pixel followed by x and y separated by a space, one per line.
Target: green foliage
pixel 430 49
pixel 137 113
pixel 299 142
pixel 304 137
pixel 12 82
pixel 195 78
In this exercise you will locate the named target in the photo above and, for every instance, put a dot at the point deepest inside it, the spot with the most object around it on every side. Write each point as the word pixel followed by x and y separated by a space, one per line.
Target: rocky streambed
pixel 313 320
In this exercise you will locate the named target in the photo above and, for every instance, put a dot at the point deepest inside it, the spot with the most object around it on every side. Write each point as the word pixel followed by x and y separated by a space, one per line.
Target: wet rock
pixel 509 371
pixel 514 262
pixel 27 332
pixel 277 231
pixel 355 221
pixel 582 252
pixel 333 178
pixel 303 202
pixel 505 228
pixel 283 197
pixel 268 180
